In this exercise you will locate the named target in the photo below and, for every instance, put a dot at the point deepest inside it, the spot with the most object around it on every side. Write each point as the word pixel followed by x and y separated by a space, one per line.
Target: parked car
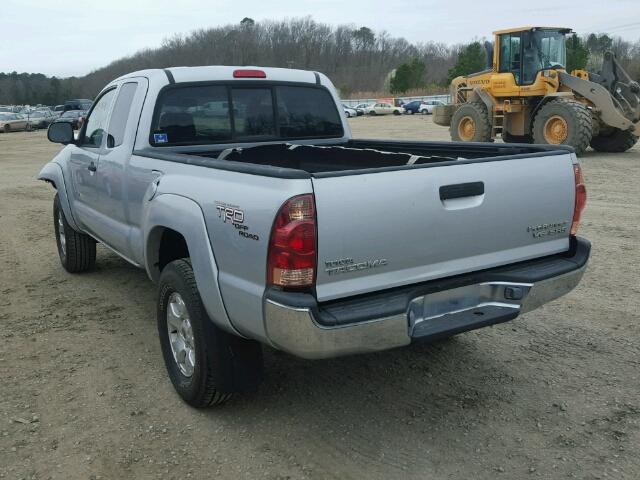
pixel 264 229
pixel 428 105
pixel 11 122
pixel 77 104
pixel 350 112
pixel 413 107
pixel 362 106
pixel 41 118
pixel 383 109
pixel 73 117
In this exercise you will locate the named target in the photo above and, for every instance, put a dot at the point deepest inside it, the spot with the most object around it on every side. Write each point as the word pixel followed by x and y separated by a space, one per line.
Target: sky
pixel 66 38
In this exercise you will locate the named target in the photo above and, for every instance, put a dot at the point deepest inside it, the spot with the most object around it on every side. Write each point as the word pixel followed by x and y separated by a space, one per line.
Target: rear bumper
pixel 296 324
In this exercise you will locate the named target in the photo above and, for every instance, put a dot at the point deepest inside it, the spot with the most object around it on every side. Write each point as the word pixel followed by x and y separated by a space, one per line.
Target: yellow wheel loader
pixel 527 96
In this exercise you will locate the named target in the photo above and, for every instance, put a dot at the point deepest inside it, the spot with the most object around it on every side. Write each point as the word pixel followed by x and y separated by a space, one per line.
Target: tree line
pixel 357 59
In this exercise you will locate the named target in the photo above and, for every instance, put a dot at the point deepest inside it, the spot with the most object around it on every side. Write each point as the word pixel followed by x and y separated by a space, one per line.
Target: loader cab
pixel 525 52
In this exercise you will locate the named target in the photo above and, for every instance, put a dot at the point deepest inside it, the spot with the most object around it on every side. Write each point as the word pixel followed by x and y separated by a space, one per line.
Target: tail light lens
pixel 581 199
pixel 292 248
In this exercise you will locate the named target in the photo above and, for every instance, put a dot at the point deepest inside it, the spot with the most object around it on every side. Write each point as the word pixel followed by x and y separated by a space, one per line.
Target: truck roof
pixel 224 72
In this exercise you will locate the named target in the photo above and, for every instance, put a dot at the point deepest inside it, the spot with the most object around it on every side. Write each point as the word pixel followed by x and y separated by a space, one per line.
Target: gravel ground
pixel 84 394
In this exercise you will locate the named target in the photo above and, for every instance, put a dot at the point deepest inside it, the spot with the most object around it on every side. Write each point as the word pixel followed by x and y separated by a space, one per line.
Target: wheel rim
pixel 61 234
pixel 180 334
pixel 467 129
pixel 556 130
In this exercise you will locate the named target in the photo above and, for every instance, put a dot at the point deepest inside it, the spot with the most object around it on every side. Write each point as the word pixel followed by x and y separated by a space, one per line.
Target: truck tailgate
pixel 384 229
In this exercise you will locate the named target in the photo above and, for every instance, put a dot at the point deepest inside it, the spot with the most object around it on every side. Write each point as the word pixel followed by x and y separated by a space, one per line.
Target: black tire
pixel 224 364
pixel 372 113
pixel 396 112
pixel 508 138
pixel 7 128
pixel 579 124
pixel 480 116
pixel 78 254
pixel 615 141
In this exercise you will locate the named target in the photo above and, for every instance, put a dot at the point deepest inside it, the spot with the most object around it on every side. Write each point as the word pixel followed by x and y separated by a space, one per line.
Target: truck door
pixel 114 226
pixel 84 160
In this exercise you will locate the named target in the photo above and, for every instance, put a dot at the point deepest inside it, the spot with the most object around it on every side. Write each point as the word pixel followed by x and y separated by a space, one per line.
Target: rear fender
pixel 183 215
pixel 52 173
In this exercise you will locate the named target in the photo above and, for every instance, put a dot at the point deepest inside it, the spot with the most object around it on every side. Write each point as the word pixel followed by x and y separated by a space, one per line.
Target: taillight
pixel 247 73
pixel 581 199
pixel 292 248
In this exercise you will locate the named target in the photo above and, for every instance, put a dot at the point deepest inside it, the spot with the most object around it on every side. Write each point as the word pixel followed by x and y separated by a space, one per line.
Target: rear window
pixel 205 114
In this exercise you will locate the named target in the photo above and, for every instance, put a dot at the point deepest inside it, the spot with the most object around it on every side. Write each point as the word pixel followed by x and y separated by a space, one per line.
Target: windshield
pixel 543 49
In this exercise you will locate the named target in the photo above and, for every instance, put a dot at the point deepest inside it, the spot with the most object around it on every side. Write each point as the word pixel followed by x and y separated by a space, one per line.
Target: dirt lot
pixel 83 391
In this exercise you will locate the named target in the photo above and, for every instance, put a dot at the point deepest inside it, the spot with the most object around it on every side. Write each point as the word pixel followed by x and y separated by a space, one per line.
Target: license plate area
pixel 465 308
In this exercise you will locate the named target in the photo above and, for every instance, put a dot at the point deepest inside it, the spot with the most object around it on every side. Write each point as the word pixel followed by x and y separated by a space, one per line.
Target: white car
pixel 428 105
pixel 383 109
pixel 350 112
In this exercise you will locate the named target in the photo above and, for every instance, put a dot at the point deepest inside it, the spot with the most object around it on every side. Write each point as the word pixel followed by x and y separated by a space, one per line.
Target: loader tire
pixel 615 141
pixel 470 123
pixel 564 122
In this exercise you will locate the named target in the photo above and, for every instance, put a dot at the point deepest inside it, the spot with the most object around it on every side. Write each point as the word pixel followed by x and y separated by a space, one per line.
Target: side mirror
pixel 60 132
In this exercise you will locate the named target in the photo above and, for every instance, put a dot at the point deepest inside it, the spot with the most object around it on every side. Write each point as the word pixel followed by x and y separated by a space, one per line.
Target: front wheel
pixel 564 122
pixel 77 251
pixel 372 113
pixel 205 364
pixel 396 112
pixel 347 114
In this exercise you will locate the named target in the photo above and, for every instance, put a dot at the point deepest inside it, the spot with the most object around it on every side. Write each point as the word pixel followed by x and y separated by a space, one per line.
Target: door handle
pixel 92 167
pixel 461 190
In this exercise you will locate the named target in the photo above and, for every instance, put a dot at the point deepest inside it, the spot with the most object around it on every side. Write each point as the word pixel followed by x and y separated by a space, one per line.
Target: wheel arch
pixel 174 225
pixel 52 174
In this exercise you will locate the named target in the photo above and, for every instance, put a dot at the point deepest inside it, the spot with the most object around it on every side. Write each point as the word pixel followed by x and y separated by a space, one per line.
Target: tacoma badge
pixel 345 265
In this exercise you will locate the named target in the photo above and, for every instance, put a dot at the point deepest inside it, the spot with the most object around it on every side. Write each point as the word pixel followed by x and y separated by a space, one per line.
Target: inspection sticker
pixel 160 138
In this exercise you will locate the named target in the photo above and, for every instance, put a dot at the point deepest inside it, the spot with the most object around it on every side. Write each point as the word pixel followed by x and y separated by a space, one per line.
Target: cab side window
pixel 510 54
pixel 96 127
pixel 120 115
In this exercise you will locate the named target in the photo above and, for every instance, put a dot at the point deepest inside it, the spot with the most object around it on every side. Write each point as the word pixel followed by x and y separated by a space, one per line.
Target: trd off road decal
pixel 234 215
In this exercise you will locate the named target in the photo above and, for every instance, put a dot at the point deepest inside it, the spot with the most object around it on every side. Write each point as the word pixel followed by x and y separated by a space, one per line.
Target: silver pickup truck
pixel 242 194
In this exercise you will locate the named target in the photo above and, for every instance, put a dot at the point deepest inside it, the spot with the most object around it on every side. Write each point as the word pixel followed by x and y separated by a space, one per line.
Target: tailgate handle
pixel 460 190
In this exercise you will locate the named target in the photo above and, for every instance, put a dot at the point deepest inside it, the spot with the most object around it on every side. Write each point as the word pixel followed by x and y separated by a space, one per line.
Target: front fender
pixel 52 173
pixel 183 215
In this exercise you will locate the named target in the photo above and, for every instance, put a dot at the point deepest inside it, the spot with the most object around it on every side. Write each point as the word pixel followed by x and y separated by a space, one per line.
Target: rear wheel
pixel 7 128
pixel 564 122
pixel 205 364
pixel 396 112
pixel 470 123
pixel 372 113
pixel 347 114
pixel 77 251
pixel 615 140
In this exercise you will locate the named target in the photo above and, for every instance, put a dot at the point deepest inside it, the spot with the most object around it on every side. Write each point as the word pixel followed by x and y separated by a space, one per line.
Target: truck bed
pixel 354 156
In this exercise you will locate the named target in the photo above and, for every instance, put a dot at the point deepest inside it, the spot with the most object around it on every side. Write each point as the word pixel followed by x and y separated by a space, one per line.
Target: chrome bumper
pixel 440 314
